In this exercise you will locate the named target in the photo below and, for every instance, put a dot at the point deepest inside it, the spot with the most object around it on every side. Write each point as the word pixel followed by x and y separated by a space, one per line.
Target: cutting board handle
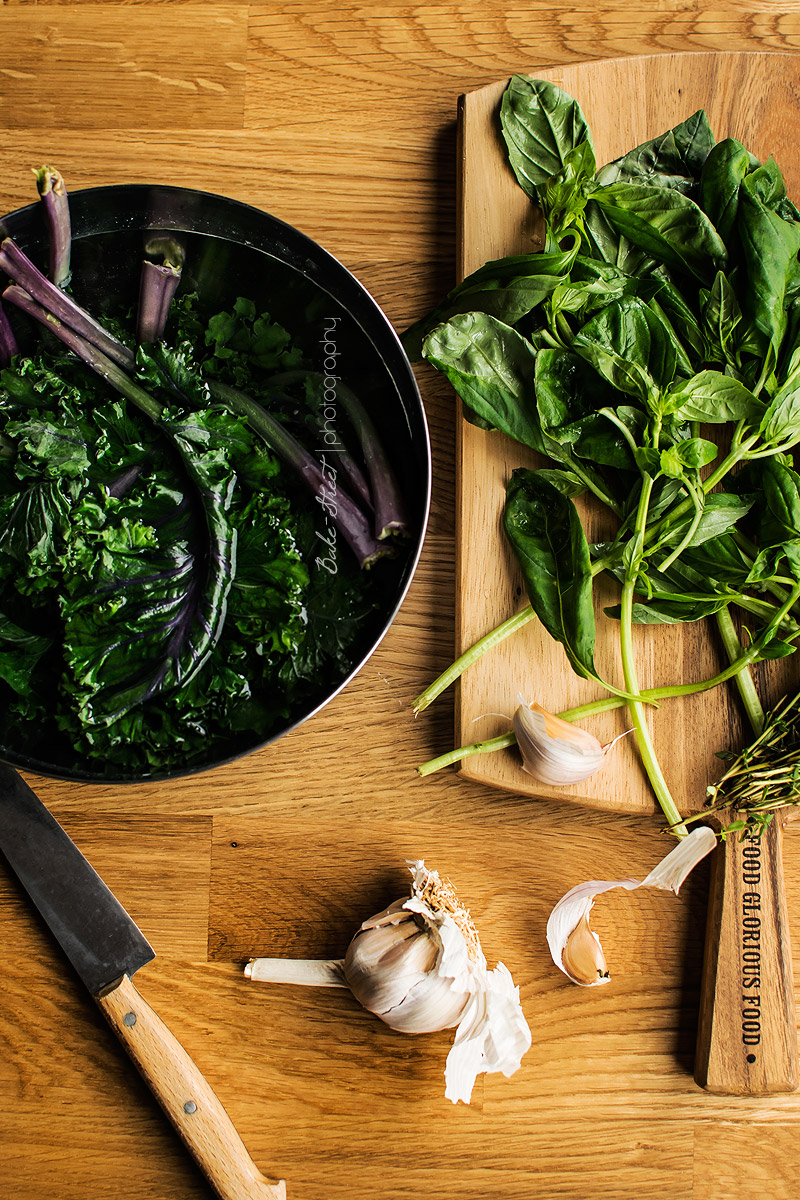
pixel 747 1032
pixel 186 1097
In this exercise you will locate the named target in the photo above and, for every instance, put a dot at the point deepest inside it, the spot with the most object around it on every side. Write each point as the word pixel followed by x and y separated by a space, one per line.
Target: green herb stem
pixel 591 485
pixel 738 452
pixel 470 656
pixel 635 707
pixel 453 756
pixel 766 611
pixel 484 644
pixel 594 708
pixel 744 680
pixel 690 532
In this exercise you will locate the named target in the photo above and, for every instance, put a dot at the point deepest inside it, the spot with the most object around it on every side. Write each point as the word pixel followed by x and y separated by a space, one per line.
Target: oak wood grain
pixel 341 120
pixel 123 67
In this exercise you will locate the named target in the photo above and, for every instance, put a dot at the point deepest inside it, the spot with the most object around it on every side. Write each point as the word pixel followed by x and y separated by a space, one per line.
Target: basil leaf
pixel 541 124
pixel 609 245
pixel 723 171
pixel 781 422
pixel 780 503
pixel 629 346
pixel 590 287
pixel 770 247
pixel 721 512
pixel 722 320
pixel 674 309
pixel 562 197
pixel 667 225
pixel 692 453
pixel 718 559
pixel 563 480
pixel 547 538
pixel 674 610
pixel 712 398
pixel 673 159
pixel 767 183
pixel 506 288
pixel 492 369
pixel 568 392
pixel 776 649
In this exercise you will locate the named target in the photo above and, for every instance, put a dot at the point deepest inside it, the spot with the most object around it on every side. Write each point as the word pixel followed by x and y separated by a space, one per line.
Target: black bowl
pixel 235 250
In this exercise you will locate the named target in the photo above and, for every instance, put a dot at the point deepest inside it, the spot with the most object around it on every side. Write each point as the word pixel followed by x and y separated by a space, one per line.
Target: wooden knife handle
pixel 747 1032
pixel 186 1097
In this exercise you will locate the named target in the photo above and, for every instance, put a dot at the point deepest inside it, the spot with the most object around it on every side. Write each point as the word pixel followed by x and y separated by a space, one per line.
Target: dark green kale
pixel 163 598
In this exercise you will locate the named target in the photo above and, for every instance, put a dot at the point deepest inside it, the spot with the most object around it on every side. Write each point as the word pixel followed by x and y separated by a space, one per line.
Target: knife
pixel 106 947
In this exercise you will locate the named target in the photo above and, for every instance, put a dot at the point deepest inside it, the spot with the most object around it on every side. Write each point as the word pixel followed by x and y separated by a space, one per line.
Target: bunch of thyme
pixel 763 777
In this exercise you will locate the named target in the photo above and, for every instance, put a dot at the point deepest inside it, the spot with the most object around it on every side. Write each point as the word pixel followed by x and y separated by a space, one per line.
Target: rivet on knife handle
pixel 186 1097
pixel 747 1032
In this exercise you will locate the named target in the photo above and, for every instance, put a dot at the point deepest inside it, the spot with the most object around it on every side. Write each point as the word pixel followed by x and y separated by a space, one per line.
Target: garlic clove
pixel 569 933
pixel 553 750
pixel 583 956
pixel 431 1004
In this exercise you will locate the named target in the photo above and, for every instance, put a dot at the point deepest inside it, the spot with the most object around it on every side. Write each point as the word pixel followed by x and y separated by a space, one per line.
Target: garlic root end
pixel 310 972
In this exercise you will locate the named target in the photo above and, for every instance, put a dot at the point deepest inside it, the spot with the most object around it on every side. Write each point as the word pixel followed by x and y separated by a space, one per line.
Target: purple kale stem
pixel 344 459
pixel 355 476
pixel 21 270
pixel 86 351
pixel 391 515
pixel 157 286
pixel 53 193
pixel 8 343
pixel 344 512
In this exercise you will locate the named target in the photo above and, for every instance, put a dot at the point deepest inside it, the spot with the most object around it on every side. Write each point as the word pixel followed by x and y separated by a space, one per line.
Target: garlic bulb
pixel 418 965
pixel 391 969
pixel 575 947
pixel 553 750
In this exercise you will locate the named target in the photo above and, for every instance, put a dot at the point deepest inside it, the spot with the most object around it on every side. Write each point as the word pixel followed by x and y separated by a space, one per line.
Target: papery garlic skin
pixel 493 1035
pixel 456 989
pixel 568 924
pixel 553 750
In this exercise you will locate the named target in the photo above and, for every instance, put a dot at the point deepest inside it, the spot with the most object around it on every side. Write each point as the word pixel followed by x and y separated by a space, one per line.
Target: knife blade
pixel 106 947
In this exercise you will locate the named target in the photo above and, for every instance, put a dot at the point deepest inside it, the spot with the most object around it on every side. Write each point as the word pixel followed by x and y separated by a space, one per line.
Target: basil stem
pixel 608 703
pixel 635 707
pixel 470 656
pixel 744 680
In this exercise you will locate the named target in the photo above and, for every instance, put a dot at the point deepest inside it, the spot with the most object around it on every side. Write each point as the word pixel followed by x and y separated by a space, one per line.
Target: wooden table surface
pixel 340 119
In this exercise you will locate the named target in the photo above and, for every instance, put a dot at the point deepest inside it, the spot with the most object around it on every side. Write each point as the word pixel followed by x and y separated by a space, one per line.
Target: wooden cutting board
pixel 753 97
